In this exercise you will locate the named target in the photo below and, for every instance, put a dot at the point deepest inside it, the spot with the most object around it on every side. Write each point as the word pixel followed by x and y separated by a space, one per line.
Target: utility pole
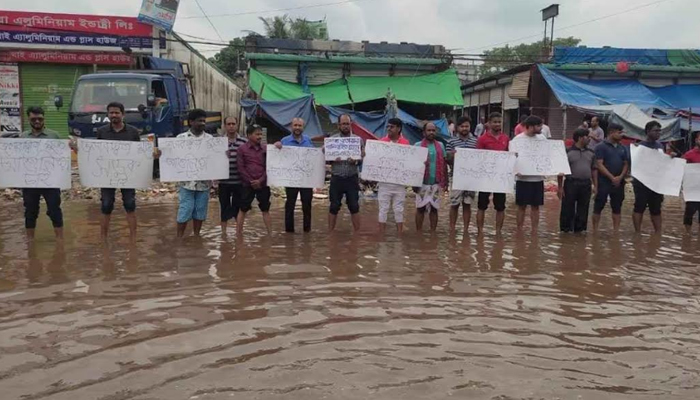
pixel 549 13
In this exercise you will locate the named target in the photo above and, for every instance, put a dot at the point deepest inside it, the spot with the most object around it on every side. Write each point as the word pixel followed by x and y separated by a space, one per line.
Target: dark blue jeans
pixel 32 198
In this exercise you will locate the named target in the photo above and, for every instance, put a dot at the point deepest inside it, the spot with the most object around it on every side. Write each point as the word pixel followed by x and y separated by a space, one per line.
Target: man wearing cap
pixel 612 161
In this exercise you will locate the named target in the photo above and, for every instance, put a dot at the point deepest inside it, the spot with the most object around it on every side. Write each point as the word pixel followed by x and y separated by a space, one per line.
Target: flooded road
pixel 347 316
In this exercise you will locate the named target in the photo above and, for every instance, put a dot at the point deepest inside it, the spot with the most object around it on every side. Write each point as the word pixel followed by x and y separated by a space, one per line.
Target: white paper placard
pixel 540 157
pixel 193 159
pixel 691 182
pixel 115 164
pixel 296 167
pixel 484 171
pixel 35 163
pixel 343 148
pixel 394 163
pixel 657 171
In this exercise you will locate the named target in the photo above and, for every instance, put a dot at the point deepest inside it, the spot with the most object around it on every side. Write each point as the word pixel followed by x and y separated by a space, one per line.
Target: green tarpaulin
pixel 441 88
pixel 683 57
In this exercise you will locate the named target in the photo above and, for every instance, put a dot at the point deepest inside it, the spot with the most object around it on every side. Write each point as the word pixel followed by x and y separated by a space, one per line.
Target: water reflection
pixel 347 316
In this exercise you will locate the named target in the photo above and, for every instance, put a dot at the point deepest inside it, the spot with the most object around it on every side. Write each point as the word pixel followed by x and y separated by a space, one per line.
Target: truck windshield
pixel 93 95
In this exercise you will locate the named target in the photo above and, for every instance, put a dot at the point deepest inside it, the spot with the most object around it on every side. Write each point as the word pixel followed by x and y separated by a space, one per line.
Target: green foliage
pixel 500 59
pixel 284 27
pixel 230 58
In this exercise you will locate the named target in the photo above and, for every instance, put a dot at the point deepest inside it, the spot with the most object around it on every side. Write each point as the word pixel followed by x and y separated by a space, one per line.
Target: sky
pixel 464 26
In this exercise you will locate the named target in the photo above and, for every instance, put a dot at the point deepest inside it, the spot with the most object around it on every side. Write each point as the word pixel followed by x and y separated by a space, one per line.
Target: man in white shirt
pixel 529 189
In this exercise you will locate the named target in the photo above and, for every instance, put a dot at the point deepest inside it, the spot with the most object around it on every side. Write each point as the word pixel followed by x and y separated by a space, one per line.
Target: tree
pixel 231 58
pixel 277 27
pixel 500 59
pixel 284 27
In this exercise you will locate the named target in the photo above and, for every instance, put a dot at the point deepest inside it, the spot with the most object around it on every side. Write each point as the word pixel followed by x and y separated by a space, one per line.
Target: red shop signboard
pixel 122 26
pixel 62 57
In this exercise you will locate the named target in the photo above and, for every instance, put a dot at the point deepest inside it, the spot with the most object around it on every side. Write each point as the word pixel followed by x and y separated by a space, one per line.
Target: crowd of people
pixel 599 169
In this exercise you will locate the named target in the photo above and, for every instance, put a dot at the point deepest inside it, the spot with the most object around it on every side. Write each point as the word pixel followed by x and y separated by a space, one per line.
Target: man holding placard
pixel 463 198
pixel 492 139
pixel 612 161
pixel 193 196
pixel 345 178
pixel 529 189
pixel 575 192
pixel 252 167
pixel 691 207
pixel 435 180
pixel 391 193
pixel 297 139
pixel 32 196
pixel 643 196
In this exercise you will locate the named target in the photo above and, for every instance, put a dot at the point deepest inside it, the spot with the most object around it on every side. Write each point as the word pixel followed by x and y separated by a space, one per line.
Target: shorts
pixel 262 195
pixel 194 204
pixel 691 208
pixel 459 197
pixel 499 201
pixel 645 197
pixel 428 198
pixel 108 196
pixel 616 194
pixel 348 186
pixel 529 193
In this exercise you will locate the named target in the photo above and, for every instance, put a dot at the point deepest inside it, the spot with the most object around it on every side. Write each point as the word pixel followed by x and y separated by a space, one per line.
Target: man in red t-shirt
pixel 492 139
pixel 692 207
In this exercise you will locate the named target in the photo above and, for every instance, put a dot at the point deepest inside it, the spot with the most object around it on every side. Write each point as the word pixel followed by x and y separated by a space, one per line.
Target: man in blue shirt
pixel 297 139
pixel 643 196
pixel 612 161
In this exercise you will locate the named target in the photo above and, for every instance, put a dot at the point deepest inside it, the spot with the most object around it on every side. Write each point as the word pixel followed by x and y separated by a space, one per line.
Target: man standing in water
pixel 390 193
pixel 252 162
pixel 492 139
pixel 692 207
pixel 193 195
pixel 434 181
pixel 118 130
pixel 612 161
pixel 575 192
pixel 297 139
pixel 529 189
pixel 460 198
pixel 345 181
pixel 32 196
pixel 231 190
pixel 643 196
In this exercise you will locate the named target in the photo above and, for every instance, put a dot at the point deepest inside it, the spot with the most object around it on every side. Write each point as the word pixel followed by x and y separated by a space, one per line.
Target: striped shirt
pixel 234 178
pixel 458 143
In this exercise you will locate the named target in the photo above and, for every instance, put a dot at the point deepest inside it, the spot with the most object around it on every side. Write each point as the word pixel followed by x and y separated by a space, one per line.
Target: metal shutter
pixel 510 103
pixel 286 72
pixel 496 96
pixel 39 83
pixel 319 75
pixel 484 97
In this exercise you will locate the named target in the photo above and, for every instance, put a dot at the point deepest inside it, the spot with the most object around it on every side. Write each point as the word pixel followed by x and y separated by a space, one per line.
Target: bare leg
pixel 454 213
pixel 355 221
pixel 500 219
pixel 30 234
pixel 656 221
pixel 59 233
pixel 616 221
pixel 266 220
pixel 480 215
pixel 197 227
pixel 224 226
pixel 104 226
pixel 382 228
pixel 534 218
pixel 240 220
pixel 433 220
pixel 332 219
pixel 637 221
pixel 181 229
pixel 131 221
pixel 399 228
pixel 689 229
pixel 420 216
pixel 520 216
pixel 596 222
pixel 466 216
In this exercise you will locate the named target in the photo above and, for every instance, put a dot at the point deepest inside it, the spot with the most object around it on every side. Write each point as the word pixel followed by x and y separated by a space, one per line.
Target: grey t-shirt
pixel 581 161
pixel 45 134
pixel 597 137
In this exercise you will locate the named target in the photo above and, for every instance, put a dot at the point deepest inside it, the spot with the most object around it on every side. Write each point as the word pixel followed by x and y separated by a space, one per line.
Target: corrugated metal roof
pixel 520 86
pixel 611 68
pixel 345 59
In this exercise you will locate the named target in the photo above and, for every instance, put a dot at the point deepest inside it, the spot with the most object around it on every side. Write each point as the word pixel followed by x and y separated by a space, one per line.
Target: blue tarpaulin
pixel 281 113
pixel 376 122
pixel 609 55
pixel 589 92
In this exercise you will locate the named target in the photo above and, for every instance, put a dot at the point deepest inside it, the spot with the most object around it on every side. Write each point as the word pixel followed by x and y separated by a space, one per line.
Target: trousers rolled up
pixel 289 206
pixel 575 205
pixel 32 199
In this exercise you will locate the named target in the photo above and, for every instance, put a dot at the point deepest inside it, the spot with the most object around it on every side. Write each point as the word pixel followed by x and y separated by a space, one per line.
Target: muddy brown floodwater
pixel 347 316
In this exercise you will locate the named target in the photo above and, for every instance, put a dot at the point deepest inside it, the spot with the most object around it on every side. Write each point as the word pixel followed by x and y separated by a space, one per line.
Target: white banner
pixel 394 163
pixel 159 12
pixel 35 163
pixel 540 157
pixel 657 171
pixel 115 164
pixel 484 171
pixel 691 182
pixel 193 159
pixel 343 148
pixel 297 167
